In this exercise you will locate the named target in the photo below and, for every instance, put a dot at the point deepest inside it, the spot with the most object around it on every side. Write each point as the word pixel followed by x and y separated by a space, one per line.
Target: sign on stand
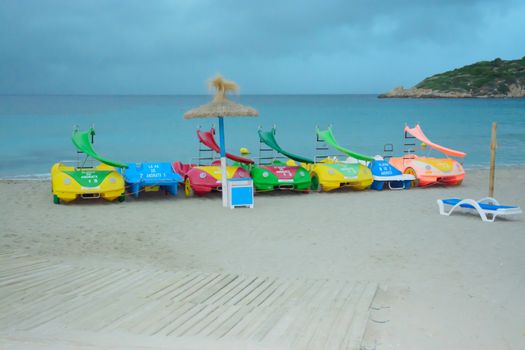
pixel 240 193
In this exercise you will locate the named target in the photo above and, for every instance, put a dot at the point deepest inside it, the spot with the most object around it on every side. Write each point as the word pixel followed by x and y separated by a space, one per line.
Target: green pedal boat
pixel 271 173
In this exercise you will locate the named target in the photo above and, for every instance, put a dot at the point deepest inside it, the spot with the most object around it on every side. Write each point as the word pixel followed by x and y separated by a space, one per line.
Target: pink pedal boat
pixel 429 170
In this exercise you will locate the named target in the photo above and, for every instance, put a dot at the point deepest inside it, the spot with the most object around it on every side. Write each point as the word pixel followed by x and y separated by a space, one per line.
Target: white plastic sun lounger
pixel 488 208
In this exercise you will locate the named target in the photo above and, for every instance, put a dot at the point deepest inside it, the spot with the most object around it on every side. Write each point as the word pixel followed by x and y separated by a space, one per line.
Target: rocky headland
pixel 486 79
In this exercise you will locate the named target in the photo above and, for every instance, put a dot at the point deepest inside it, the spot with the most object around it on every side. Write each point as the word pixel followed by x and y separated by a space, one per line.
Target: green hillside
pixel 491 79
pixel 482 78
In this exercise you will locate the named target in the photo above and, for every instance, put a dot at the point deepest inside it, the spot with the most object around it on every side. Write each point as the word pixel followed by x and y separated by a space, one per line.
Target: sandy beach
pixel 443 282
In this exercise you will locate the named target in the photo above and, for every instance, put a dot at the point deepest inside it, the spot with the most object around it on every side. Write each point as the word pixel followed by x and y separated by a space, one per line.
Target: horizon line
pixel 211 94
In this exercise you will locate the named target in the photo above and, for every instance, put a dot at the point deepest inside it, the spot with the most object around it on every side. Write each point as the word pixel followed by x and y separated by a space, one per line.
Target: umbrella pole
pixel 223 163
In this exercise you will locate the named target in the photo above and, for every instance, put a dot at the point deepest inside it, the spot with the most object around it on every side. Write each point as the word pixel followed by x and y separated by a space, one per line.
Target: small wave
pixel 485 166
pixel 27 177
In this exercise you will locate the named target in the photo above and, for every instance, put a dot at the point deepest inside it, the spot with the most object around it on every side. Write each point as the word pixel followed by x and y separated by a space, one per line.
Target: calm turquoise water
pixel 35 130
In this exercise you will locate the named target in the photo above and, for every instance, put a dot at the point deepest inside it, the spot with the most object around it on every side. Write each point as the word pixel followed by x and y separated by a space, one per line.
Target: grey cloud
pixel 52 46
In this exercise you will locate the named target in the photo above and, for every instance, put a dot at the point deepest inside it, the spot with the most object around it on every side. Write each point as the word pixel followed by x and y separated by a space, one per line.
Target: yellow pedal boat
pixel 83 180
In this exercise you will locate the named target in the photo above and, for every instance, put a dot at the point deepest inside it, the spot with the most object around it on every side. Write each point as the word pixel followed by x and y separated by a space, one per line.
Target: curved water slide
pixel 268 138
pixel 82 141
pixel 328 137
pixel 418 133
pixel 207 138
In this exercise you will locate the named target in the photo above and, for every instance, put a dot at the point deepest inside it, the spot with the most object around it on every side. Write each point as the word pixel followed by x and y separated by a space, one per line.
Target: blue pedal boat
pixel 150 177
pixel 385 174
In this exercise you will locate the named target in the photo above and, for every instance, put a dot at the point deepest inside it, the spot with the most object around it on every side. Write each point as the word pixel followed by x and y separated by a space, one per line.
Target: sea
pixel 35 131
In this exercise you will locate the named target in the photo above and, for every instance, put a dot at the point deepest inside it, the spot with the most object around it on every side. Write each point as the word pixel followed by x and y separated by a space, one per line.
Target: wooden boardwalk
pixel 54 304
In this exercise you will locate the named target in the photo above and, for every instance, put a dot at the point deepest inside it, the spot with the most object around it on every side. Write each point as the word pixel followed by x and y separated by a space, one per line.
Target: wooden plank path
pixel 46 302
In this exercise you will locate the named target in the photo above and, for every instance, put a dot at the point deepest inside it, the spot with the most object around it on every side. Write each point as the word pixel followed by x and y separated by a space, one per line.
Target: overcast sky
pixel 268 47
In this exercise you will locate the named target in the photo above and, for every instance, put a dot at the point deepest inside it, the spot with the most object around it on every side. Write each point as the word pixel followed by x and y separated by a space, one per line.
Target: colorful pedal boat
pixel 277 174
pixel 150 177
pixel 202 179
pixel 430 170
pixel 69 182
pixel 281 176
pixel 331 174
pixel 385 174
pixel 102 181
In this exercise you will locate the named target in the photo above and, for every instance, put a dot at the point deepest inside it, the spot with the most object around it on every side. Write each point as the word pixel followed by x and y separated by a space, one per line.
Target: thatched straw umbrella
pixel 221 107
